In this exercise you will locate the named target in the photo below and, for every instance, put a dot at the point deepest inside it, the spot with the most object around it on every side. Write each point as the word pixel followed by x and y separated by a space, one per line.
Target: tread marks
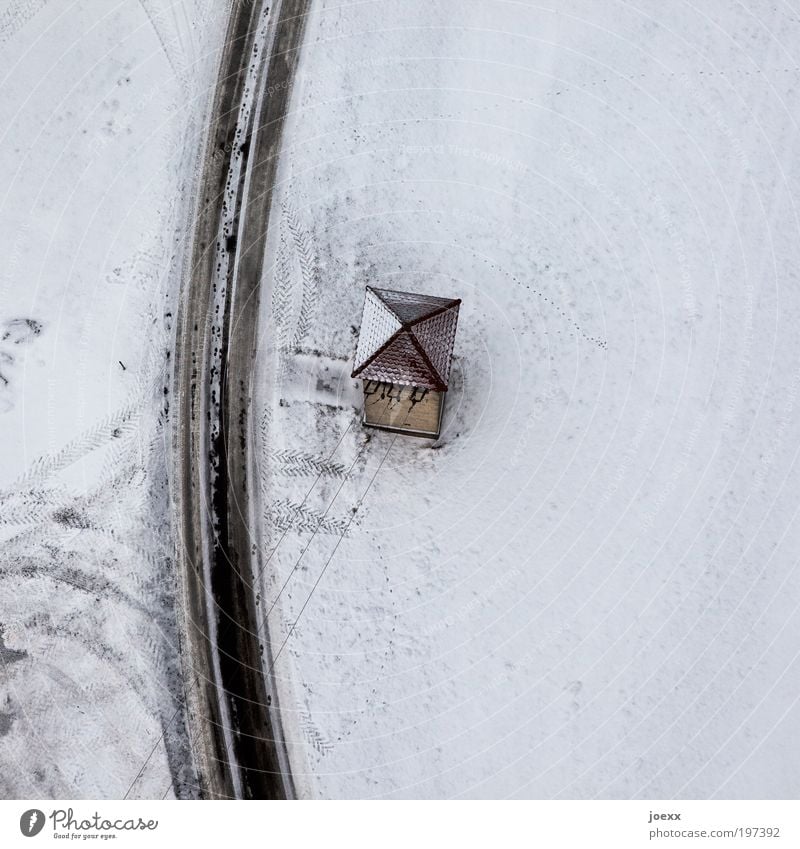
pixel 318 741
pixel 295 244
pixel 301 239
pixel 298 464
pixel 14 334
pixel 123 422
pixel 286 515
pixel 177 63
pixel 28 506
pixel 281 293
pixel 18 13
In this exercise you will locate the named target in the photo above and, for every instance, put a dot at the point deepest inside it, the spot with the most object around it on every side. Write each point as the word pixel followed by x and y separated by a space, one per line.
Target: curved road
pixel 233 710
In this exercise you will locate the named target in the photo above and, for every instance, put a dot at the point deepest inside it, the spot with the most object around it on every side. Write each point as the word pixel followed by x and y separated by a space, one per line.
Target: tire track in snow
pixel 14 18
pixel 308 271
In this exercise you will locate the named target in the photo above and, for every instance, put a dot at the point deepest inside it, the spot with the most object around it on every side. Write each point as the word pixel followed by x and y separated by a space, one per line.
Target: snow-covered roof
pixel 406 338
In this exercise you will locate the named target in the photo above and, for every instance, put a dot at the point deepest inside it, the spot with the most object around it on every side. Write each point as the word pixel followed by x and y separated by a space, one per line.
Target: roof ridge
pixel 438 311
pixel 371 359
pixel 421 351
pixel 450 303
pixel 404 292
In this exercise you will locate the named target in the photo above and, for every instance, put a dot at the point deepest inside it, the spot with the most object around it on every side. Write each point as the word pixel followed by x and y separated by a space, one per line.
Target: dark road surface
pixel 235 724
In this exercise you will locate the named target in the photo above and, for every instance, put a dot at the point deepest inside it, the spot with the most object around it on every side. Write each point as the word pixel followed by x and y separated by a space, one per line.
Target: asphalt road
pixel 235 724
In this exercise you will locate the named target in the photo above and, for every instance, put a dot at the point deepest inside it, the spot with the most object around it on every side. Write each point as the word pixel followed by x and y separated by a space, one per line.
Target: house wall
pixel 402 408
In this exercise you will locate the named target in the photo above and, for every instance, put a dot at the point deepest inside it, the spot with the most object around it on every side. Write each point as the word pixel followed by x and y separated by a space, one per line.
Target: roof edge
pixel 371 359
pixel 450 303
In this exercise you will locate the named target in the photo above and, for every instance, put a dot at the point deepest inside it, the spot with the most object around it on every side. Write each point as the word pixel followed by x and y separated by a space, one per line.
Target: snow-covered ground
pixel 103 108
pixel 587 587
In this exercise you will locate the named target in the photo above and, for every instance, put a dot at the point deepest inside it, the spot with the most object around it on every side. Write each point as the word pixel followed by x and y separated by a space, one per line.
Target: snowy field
pixel 587 587
pixel 103 108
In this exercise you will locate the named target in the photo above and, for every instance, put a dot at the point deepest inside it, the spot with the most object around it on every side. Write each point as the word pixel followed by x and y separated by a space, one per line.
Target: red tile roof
pixel 406 338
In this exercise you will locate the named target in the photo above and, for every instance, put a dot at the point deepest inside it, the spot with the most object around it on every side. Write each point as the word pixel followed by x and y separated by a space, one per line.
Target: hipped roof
pixel 406 338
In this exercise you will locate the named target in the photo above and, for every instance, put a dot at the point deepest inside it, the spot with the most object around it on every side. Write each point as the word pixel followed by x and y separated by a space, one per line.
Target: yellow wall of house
pixel 404 407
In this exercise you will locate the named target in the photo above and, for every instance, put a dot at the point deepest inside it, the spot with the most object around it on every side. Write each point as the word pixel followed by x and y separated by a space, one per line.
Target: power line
pixel 330 557
pixel 286 582
pixel 322 517
pixel 182 700
pixel 297 512
pixel 335 548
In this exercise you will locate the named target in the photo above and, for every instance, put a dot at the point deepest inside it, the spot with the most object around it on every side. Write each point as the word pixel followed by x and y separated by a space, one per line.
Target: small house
pixel 403 357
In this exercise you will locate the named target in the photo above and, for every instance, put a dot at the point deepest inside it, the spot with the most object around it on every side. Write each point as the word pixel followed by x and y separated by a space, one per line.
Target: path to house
pixel 237 737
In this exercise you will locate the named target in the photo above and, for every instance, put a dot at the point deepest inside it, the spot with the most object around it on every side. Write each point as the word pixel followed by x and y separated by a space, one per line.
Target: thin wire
pixel 328 561
pixel 297 511
pixel 338 542
pixel 322 517
pixel 283 535
pixel 314 533
pixel 158 742
pixel 182 700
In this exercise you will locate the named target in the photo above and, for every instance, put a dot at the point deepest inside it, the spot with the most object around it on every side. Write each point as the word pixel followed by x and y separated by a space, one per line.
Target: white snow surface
pixel 103 110
pixel 587 588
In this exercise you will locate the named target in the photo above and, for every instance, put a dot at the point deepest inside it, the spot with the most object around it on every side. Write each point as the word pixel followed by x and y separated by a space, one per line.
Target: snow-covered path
pixel 236 733
pixel 587 587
